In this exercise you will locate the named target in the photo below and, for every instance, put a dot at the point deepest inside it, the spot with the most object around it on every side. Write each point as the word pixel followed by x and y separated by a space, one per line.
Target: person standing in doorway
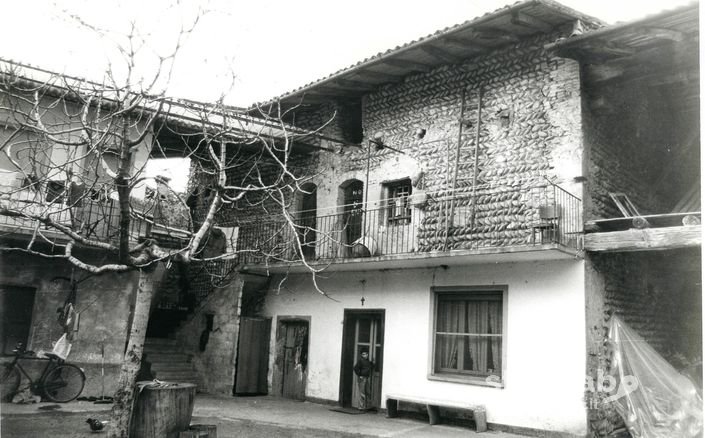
pixel 363 370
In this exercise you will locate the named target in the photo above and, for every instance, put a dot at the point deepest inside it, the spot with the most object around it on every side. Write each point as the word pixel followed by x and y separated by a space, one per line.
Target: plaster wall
pixel 216 363
pixel 104 303
pixel 545 338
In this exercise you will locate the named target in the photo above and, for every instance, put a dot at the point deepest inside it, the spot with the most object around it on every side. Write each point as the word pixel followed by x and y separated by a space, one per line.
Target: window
pixel 398 205
pixel 468 334
pixel 55 192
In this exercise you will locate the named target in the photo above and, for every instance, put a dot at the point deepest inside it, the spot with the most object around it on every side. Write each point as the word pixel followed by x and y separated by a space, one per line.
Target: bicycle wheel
pixel 64 383
pixel 9 382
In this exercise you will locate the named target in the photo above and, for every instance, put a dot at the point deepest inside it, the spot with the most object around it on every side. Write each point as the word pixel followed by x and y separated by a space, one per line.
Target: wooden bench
pixel 432 406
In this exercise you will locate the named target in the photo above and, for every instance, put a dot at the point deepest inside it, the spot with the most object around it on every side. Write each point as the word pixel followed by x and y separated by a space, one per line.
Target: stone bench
pixel 432 406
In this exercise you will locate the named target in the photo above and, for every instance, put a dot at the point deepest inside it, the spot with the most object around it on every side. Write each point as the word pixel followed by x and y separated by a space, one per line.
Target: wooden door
pixel 368 337
pixel 295 366
pixel 253 356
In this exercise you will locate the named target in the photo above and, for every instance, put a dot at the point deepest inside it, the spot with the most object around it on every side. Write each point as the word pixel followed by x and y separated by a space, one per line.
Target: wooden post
pixel 392 408
pixel 434 414
pixel 480 416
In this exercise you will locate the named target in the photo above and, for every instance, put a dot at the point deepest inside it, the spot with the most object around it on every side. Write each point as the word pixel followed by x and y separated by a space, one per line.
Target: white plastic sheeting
pixel 651 396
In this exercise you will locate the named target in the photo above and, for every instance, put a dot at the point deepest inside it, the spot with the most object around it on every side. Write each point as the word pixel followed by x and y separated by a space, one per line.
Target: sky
pixel 263 48
pixel 247 51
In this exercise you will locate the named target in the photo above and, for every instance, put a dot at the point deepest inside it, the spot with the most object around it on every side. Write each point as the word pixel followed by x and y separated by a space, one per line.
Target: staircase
pixel 168 362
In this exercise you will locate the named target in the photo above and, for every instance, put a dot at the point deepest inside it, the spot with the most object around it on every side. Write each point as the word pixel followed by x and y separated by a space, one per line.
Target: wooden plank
pixel 440 54
pixel 521 19
pixel 253 359
pixel 663 34
pixel 379 75
pixel 354 84
pixel 651 239
pixel 622 223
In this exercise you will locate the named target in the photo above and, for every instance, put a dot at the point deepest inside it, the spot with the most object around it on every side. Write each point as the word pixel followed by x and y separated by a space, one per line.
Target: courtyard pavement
pixel 260 416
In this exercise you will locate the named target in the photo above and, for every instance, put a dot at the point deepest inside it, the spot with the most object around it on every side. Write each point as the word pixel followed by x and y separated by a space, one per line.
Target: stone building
pixel 459 205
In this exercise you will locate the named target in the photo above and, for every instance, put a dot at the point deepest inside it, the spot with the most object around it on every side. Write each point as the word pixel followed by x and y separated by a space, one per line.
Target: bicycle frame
pixel 34 384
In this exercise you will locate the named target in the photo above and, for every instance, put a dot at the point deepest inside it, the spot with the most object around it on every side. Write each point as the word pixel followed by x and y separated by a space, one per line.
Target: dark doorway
pixel 15 316
pixel 353 210
pixel 291 369
pixel 252 356
pixel 363 330
pixel 307 221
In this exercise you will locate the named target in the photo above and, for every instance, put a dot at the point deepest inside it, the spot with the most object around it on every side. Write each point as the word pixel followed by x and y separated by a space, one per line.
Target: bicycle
pixel 59 382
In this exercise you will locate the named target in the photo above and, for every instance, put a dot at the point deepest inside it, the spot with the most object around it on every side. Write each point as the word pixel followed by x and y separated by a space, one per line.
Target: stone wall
pixel 104 303
pixel 530 129
pixel 215 362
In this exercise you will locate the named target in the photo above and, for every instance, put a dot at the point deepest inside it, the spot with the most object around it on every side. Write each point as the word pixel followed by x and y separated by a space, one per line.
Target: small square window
pixel 397 200
pixel 468 334
pixel 55 192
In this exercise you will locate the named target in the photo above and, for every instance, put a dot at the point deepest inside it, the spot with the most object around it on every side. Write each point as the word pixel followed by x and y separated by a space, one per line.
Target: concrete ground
pixel 255 417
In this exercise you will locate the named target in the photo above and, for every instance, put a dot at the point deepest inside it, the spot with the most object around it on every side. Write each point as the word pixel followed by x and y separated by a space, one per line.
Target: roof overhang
pixel 451 45
pixel 624 40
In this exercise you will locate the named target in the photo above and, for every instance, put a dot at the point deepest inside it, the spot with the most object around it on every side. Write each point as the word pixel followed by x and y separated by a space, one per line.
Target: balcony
pixel 409 231
pixel 93 217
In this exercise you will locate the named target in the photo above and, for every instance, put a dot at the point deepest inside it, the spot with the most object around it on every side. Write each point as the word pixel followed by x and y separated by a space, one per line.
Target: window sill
pixel 475 381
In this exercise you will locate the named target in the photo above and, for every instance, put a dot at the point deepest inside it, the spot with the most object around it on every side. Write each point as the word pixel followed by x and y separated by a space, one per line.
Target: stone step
pixel 157 348
pixel 160 341
pixel 171 366
pixel 161 357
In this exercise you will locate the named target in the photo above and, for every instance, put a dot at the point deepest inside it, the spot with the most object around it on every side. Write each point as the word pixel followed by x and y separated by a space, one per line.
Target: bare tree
pixel 79 149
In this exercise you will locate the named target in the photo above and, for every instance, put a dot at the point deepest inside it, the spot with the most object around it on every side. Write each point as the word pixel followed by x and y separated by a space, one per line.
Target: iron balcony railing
pixel 97 219
pixel 419 223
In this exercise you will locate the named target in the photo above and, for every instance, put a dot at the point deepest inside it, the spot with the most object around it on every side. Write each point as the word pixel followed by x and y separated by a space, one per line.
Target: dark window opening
pixel 350 114
pixel 397 199
pixel 55 192
pixel 15 316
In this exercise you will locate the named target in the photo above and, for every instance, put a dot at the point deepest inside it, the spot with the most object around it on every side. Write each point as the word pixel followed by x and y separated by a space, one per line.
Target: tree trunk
pixel 125 395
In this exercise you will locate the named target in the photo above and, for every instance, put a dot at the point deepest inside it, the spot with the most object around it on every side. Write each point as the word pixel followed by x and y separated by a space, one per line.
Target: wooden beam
pixel 488 33
pixel 331 90
pixel 521 19
pixel 404 63
pixel 440 54
pixel 468 44
pixel 663 34
pixel 649 239
pixel 602 72
pixel 354 84
pixel 610 50
pixel 387 77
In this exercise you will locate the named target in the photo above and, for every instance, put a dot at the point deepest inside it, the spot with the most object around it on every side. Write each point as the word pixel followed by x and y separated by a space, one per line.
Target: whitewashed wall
pixel 544 373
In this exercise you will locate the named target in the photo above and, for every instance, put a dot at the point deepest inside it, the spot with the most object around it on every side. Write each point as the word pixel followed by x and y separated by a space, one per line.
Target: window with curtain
pixel 468 333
